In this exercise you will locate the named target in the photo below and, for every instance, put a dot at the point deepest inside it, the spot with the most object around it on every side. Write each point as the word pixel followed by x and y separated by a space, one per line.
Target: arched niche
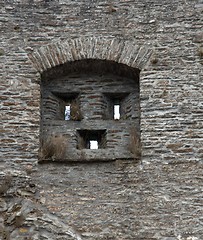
pixel 87 102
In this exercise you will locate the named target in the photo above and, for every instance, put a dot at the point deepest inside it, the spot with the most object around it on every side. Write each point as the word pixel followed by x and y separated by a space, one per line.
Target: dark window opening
pixel 116 105
pixel 69 106
pixel 91 139
pixel 72 110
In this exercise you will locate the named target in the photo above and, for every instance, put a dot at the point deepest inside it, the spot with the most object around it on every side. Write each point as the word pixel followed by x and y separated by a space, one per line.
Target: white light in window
pixel 93 144
pixel 116 111
pixel 67 112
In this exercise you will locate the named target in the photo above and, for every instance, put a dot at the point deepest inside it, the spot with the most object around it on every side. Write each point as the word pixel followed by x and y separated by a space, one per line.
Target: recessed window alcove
pixel 91 139
pixel 93 105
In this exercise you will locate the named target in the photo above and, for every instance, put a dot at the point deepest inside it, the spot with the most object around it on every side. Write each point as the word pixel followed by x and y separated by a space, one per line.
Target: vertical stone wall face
pixel 157 198
pixel 91 91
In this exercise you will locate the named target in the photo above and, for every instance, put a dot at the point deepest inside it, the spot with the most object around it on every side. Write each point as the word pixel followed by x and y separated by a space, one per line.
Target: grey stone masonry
pixel 91 89
pixel 158 196
pixel 118 50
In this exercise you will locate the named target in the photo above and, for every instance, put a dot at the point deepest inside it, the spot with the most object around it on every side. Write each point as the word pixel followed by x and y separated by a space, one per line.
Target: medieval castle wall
pixel 157 197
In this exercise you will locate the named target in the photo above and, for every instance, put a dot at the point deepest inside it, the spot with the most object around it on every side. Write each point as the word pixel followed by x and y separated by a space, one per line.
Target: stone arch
pixel 122 58
pixel 117 50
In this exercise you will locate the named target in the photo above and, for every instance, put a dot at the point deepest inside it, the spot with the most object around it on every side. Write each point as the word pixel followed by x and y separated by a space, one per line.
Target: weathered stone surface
pixel 131 54
pixel 158 199
pixel 91 91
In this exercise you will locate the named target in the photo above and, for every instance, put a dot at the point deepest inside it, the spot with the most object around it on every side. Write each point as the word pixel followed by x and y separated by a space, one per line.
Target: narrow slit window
pixel 72 111
pixel 116 111
pixel 94 144
pixel 67 112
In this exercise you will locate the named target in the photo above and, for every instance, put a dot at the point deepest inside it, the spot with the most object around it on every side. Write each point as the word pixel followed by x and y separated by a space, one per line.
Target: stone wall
pixel 91 91
pixel 157 198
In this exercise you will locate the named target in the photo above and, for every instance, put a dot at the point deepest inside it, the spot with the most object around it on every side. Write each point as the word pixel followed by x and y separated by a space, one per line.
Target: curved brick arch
pixel 121 51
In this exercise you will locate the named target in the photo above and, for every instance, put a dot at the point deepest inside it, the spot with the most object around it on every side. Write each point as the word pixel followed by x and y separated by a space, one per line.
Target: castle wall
pixel 156 198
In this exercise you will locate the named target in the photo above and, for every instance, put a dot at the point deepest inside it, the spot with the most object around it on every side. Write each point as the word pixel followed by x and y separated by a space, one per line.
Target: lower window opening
pixel 91 139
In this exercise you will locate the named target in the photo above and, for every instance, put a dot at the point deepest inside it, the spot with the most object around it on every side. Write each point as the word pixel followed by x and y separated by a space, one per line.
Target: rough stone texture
pixel 90 48
pixel 160 198
pixel 91 91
